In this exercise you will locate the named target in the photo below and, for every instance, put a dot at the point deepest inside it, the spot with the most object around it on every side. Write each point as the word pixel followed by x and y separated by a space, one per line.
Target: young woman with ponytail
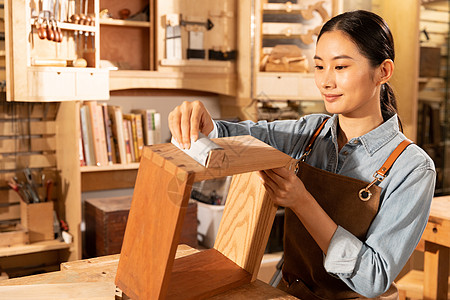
pixel 359 199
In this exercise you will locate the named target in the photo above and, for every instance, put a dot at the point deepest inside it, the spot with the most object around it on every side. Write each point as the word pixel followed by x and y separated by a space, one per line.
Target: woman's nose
pixel 327 80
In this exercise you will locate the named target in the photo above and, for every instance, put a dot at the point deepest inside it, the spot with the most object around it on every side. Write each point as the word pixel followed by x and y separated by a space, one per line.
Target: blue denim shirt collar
pixel 373 140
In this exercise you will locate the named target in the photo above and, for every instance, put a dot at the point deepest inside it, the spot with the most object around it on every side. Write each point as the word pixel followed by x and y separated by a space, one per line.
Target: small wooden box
pixel 106 219
pixel 38 219
pixel 430 62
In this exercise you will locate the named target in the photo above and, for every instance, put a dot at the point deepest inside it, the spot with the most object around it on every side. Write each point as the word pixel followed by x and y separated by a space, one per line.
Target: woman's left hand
pixel 284 187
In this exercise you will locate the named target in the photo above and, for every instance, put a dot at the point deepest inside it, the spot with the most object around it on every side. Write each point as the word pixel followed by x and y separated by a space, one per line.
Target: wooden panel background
pixel 27 140
pixel 433 91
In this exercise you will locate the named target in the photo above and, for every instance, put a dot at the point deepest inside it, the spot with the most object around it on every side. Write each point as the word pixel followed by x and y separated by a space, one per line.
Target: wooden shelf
pixel 116 22
pixel 115 167
pixel 75 27
pixel 282 7
pixel 219 83
pixel 196 63
pixel 428 79
pixel 33 248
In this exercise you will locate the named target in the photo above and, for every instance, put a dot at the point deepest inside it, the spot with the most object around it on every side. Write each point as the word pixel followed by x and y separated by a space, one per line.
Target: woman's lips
pixel 331 97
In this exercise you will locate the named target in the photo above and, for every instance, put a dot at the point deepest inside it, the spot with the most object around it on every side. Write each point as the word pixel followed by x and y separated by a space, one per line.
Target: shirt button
pixel 355 142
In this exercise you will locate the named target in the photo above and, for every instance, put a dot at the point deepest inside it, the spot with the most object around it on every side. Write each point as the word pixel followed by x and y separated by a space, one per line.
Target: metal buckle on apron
pixel 303 158
pixel 365 193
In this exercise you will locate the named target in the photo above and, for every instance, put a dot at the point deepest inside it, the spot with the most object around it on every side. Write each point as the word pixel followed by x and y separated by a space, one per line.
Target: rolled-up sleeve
pixel 342 253
pixel 369 267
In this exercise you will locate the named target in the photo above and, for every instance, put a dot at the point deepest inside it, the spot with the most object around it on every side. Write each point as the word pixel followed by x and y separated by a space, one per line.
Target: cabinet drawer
pixel 284 86
pixel 274 85
pixel 51 84
pixel 92 85
pixel 63 84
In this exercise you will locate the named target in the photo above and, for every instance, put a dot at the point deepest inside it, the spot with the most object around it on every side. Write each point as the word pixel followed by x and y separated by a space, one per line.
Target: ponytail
pixel 389 103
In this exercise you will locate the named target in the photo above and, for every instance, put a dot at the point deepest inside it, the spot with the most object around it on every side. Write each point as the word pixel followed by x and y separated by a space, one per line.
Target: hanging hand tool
pixel 87 21
pixel 14 186
pixel 30 185
pixel 88 18
pixel 57 227
pixel 40 26
pixel 208 24
pixel 74 17
pixel 48 189
pixel 196 37
pixel 55 19
pixel 47 12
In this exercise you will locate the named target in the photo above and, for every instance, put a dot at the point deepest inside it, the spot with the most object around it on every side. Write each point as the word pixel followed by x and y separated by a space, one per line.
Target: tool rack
pixel 51 57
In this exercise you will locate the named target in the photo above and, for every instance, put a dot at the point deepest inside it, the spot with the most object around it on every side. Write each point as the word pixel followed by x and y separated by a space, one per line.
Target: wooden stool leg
pixel 401 295
pixel 436 271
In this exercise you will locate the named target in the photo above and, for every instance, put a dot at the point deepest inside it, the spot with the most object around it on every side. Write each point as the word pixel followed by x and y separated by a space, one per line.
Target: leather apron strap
pixel 303 272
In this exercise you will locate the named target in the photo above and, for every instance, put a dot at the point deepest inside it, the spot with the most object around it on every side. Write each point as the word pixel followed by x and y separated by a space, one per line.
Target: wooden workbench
pixel 437 250
pixel 94 279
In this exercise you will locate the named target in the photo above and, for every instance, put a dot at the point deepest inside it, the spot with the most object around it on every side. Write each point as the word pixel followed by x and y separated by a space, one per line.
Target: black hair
pixel 372 36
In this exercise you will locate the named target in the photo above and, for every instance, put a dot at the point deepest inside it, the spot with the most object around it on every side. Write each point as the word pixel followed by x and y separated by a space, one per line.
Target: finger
pixel 185 126
pixel 274 177
pixel 195 123
pixel 267 180
pixel 282 172
pixel 174 125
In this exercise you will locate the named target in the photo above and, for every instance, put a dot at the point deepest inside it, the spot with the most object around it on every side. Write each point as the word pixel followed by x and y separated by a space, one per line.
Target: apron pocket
pixel 298 289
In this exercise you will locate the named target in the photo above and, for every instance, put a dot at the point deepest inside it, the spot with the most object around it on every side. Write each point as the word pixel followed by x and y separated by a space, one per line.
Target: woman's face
pixel 345 77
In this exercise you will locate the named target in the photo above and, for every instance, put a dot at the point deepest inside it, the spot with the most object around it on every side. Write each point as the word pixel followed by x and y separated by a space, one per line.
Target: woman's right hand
pixel 187 120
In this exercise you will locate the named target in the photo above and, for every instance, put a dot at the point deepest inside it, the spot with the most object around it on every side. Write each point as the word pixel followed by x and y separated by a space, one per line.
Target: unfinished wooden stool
pixel 147 267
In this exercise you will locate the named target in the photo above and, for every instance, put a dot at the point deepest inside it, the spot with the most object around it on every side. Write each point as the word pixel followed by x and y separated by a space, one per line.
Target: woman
pixel 353 216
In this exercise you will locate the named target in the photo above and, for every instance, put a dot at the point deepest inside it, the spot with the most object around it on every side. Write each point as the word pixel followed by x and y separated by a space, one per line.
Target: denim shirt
pixel 367 266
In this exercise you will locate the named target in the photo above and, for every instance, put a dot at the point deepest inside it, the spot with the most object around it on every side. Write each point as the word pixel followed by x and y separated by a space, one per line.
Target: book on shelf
pixel 98 133
pixel 109 136
pixel 139 135
pixel 87 138
pixel 151 123
pixel 115 116
pixel 128 140
pixel 80 144
pixel 133 136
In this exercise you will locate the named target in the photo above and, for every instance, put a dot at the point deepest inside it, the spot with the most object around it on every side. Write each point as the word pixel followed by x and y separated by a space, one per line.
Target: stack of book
pixel 109 136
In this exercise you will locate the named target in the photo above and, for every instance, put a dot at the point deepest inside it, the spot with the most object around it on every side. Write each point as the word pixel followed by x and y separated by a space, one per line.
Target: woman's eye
pixel 340 67
pixel 318 67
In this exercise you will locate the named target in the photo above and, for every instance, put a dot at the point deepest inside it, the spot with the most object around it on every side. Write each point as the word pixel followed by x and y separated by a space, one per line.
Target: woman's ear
pixel 385 71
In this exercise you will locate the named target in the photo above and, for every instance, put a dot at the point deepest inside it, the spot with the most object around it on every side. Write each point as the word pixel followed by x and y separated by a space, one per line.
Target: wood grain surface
pixel 246 222
pixel 159 204
pixel 204 274
pixel 243 154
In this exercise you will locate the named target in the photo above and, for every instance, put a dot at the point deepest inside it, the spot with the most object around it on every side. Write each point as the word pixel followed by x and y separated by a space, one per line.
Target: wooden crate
pixel 38 219
pixel 106 220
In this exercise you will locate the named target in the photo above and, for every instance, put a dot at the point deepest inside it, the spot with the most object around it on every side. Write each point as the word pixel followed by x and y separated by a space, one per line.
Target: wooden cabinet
pixel 38 67
pixel 294 25
pixel 127 44
pixel 138 48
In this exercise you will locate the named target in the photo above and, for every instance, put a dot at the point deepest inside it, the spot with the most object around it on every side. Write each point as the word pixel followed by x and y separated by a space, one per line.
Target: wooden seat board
pixel 204 274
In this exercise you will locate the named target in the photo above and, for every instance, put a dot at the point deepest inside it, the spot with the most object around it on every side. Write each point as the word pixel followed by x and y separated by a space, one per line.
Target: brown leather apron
pixel 352 204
